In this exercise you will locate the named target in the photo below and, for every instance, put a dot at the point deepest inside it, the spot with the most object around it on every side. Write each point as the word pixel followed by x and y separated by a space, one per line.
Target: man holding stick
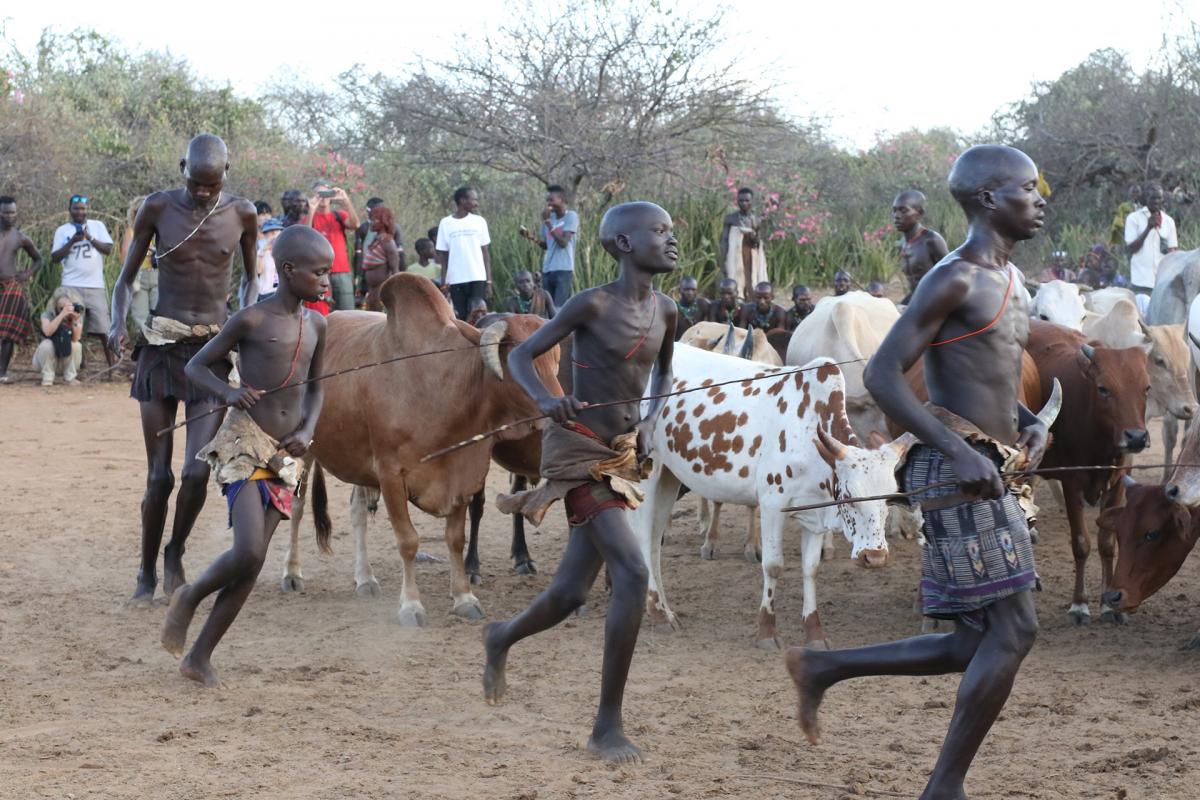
pixel 196 231
pixel 977 566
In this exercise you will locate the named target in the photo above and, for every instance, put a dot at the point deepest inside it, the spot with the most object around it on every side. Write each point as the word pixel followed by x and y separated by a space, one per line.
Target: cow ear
pixel 876 440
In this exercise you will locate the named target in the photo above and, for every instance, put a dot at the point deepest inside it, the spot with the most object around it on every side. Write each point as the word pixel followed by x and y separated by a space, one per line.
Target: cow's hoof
pixel 468 609
pixel 292 583
pixel 817 644
pixel 368 588
pixel 708 552
pixel 771 643
pixel 525 568
pixel 1034 536
pixel 752 554
pixel 1115 617
pixel 581 612
pixel 413 616
pixel 475 578
pixel 1079 615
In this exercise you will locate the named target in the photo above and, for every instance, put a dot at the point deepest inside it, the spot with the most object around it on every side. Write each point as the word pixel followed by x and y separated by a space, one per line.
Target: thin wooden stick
pixel 1010 476
pixel 479 437
pixel 329 375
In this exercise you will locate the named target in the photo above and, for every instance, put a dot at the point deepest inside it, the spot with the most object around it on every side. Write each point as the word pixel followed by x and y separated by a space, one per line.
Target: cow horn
pixel 747 345
pixel 489 347
pixel 1088 351
pixel 1049 412
pixel 728 348
pixel 830 443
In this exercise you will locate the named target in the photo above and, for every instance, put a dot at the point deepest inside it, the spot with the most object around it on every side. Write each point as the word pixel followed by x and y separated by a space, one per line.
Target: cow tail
pixel 320 507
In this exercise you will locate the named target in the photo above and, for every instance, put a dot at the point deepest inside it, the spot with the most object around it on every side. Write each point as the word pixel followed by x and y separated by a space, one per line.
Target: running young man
pixel 279 343
pixel 196 231
pixel 977 566
pixel 623 331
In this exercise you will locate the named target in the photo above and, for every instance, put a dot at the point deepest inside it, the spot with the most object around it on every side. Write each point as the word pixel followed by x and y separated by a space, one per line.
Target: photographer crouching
pixel 62 327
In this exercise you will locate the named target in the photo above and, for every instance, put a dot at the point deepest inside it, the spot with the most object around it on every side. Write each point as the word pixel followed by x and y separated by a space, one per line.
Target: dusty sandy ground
pixel 327 697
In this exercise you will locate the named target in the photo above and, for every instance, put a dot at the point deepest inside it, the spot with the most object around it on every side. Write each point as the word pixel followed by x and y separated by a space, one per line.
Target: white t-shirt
pixel 461 239
pixel 83 265
pixel 1143 265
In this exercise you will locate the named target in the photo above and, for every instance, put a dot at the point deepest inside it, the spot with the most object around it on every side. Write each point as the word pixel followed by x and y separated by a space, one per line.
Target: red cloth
pixel 320 306
pixel 332 225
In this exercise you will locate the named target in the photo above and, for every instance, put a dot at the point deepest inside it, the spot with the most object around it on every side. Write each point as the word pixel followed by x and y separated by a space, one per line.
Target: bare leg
pixel 193 491
pixel 233 574
pixel 574 577
pixel 156 415
pixel 989 659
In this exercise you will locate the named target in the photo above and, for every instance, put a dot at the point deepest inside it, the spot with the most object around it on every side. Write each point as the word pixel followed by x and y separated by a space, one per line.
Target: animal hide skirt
pixel 976 551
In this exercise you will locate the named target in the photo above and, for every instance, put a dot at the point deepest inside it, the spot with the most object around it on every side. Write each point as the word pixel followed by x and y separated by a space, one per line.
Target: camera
pixel 327 193
pixel 78 307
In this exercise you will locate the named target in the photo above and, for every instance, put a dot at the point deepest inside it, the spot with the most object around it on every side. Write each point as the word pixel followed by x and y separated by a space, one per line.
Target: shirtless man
pixel 921 247
pixel 624 331
pixel 279 343
pixel 977 567
pixel 196 231
pixel 690 308
pixel 741 228
pixel 16 325
pixel 725 307
pixel 841 282
pixel 763 313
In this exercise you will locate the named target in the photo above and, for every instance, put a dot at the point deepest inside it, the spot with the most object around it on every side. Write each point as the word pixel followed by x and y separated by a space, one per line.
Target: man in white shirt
pixel 80 246
pixel 462 252
pixel 1149 235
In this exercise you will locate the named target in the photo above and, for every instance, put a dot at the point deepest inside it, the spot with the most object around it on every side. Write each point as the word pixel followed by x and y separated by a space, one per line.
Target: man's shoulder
pixel 318 320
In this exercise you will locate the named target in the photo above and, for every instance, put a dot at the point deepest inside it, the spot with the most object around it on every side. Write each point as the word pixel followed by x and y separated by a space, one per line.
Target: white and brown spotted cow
pixel 770 443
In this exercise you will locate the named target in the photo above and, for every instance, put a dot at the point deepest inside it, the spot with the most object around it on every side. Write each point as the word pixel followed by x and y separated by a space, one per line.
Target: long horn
pixel 1049 412
pixel 728 348
pixel 489 347
pixel 836 448
pixel 1088 351
pixel 747 345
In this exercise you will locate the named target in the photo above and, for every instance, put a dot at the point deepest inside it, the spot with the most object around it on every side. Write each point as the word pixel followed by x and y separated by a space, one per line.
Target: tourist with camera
pixel 333 225
pixel 62 328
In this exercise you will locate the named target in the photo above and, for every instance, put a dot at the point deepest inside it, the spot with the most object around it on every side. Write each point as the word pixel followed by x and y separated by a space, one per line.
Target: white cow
pixel 845 328
pixel 714 337
pixel 770 443
pixel 1059 302
pixel 1100 301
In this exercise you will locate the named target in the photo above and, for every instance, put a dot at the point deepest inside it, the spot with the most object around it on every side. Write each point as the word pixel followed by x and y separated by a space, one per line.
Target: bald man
pixel 690 308
pixel 977 566
pixel 197 230
pixel 921 247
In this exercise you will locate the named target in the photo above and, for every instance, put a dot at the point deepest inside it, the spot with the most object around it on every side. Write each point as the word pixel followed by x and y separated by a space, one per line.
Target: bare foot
pixel 173 575
pixel 175 626
pixel 194 669
pixel 494 683
pixel 614 747
pixel 810 692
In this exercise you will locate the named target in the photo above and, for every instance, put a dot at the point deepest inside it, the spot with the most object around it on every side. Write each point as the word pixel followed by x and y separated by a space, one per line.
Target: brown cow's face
pixel 1154 536
pixel 1119 387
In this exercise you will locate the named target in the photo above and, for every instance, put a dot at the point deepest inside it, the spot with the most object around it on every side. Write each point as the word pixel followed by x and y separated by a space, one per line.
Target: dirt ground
pixel 328 697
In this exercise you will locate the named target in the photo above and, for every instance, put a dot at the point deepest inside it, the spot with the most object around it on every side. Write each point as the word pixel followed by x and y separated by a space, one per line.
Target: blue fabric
pixel 560 285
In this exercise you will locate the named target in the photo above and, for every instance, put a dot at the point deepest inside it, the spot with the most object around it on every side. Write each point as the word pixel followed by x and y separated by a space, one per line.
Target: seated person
pixel 802 306
pixel 1059 269
pixel 62 328
pixel 691 307
pixel 762 312
pixel 529 299
pixel 841 282
pixel 478 309
pixel 725 307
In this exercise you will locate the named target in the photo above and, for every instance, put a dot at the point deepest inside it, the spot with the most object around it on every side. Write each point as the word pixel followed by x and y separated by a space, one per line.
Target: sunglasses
pixel 78 198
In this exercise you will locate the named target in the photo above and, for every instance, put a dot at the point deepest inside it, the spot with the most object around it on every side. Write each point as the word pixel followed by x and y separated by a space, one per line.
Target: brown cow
pixel 1102 422
pixel 1154 532
pixel 377 424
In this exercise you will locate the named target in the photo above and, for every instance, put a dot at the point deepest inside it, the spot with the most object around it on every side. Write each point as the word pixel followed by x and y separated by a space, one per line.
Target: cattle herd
pixel 780 438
